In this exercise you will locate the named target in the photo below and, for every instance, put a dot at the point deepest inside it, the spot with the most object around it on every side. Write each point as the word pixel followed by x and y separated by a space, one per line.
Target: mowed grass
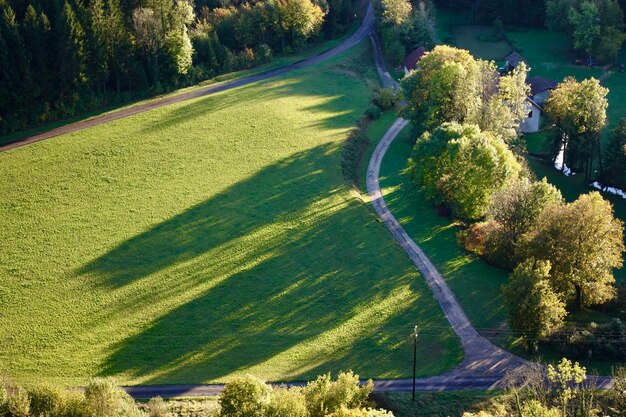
pixel 469 37
pixel 206 239
pixel 440 404
pixel 276 62
pixel 549 55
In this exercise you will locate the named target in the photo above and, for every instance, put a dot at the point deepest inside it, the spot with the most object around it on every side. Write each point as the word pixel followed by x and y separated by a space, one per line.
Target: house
pixel 410 62
pixel 533 120
pixel 513 60
pixel 540 88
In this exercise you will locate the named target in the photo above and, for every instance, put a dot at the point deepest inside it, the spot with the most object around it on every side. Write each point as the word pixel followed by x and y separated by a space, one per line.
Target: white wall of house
pixel 533 121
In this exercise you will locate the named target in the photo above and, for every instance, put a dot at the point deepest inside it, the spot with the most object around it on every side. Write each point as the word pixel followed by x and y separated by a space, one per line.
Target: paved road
pixel 482 358
pixel 367 26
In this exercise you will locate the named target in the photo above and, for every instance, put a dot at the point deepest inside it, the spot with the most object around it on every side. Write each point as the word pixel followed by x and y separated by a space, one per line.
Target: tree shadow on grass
pixel 304 285
pixel 275 192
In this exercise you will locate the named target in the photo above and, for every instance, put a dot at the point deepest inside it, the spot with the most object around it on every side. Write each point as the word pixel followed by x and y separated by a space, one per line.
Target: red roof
pixel 410 62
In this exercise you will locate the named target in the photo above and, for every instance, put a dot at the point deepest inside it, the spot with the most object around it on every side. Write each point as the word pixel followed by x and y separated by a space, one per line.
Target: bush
pixel 263 54
pixel 247 396
pixel 4 398
pixel 385 98
pixel 158 408
pixel 105 399
pixel 395 52
pixel 46 400
pixel 373 112
pixel 287 402
pixel 607 341
pixel 498 29
pixel 475 238
pixel 325 396
pixel 18 404
pixel 352 153
pixel 75 405
pixel 361 412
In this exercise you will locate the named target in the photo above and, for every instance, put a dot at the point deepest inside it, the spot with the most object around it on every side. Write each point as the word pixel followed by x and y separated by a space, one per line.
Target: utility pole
pixel 414 359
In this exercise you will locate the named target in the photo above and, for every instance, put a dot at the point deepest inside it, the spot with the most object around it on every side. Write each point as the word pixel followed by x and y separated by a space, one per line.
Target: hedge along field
pixel 206 239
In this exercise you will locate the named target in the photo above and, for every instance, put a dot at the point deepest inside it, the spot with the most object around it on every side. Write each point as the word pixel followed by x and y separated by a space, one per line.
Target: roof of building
pixel 514 58
pixel 534 104
pixel 540 84
pixel 410 62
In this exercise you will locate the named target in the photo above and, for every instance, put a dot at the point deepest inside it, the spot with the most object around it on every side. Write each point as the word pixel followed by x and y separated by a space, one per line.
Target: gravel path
pixel 485 364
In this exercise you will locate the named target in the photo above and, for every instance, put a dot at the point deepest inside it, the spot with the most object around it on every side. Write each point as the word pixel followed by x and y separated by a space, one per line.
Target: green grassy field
pixel 206 239
pixel 469 37
pixel 549 55
pixel 439 404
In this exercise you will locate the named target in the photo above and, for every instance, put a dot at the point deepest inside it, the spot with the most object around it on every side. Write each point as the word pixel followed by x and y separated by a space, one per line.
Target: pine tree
pixel 70 45
pixel 17 80
pixel 614 155
pixel 97 63
pixel 35 32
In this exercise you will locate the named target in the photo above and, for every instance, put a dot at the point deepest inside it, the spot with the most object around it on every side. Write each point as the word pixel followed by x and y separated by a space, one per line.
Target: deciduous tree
pixel 514 211
pixel 444 88
pixel 614 156
pixel 534 307
pixel 584 243
pixel 462 167
pixel 578 111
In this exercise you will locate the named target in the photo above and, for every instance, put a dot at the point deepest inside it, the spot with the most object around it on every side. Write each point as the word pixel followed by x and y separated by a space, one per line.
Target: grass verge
pixel 476 285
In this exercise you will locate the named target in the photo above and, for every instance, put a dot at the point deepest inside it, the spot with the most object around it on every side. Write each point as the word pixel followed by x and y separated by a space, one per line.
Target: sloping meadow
pixel 207 239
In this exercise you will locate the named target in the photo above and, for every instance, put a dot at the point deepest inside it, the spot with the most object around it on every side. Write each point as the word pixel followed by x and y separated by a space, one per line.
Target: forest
pixel 61 58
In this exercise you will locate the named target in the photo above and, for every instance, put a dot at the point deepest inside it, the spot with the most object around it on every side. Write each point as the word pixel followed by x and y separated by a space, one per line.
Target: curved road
pixel 367 26
pixel 484 365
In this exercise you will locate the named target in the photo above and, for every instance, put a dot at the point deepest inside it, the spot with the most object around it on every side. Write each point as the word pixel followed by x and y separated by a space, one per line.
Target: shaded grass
pixel 469 37
pixel 206 239
pixel 571 188
pixel 476 285
pixel 548 54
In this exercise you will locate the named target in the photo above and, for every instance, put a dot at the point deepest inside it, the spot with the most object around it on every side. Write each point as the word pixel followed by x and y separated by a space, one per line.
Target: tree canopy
pixel 578 112
pixel 63 57
pixel 534 307
pixel 461 167
pixel 450 85
pixel 584 242
pixel 594 27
